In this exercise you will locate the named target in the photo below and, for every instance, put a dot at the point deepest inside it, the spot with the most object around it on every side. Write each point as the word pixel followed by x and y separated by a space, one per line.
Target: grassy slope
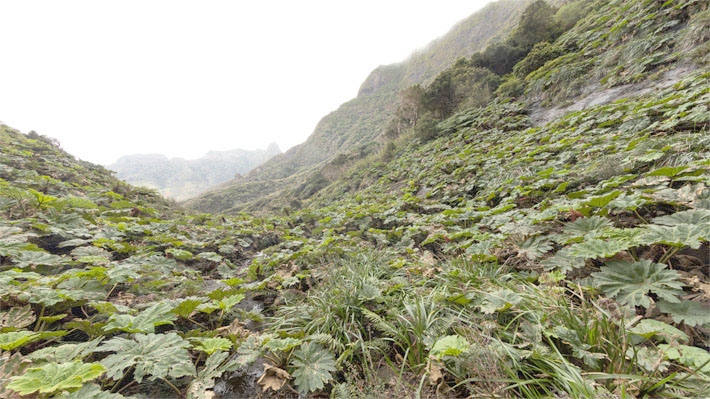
pixel 501 259
pixel 355 126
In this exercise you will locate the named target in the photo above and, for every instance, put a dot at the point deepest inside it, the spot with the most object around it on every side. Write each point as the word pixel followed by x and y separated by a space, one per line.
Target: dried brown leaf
pixel 273 378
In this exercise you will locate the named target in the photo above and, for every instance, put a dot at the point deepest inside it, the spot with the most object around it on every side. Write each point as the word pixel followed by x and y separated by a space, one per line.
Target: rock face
pixel 181 179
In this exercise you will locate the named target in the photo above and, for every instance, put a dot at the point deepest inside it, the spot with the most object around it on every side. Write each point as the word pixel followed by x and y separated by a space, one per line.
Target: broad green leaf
pixel 690 356
pixel 211 345
pixel 648 328
pixel 596 248
pixel 312 367
pixel 667 171
pixel 691 216
pixel 53 377
pixel 628 202
pixel 563 261
pixel 153 355
pixel 90 391
pixel 692 313
pixel 11 249
pixel 678 236
pixel 187 306
pixel 65 352
pixel 146 321
pixel 36 258
pixel 281 344
pixel 123 273
pixel 602 200
pixel 650 359
pixel 210 256
pixel 450 345
pixel 43 295
pixel 500 301
pixel 591 226
pixel 534 247
pixel 631 283
pixel 179 254
pixel 229 302
pixel 16 339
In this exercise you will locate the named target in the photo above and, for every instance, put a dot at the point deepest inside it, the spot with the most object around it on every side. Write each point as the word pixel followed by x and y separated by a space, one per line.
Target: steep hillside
pixel 354 127
pixel 180 179
pixel 483 251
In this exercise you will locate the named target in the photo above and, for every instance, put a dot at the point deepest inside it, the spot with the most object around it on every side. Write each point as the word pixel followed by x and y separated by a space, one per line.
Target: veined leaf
pixel 187 306
pixel 691 313
pixel 596 248
pixel 154 355
pixel 650 359
pixel 53 377
pixel 630 283
pixel 450 345
pixel 146 321
pixel 90 391
pixel 36 258
pixel 602 200
pixel 211 345
pixel 312 367
pixel 667 171
pixel 281 344
pixel 66 352
pixel 648 328
pixel 16 339
pixel 534 247
pixel 587 226
pixel 17 317
pixel 500 301
pixel 691 216
pixel 563 261
pixel 693 357
pixel 678 236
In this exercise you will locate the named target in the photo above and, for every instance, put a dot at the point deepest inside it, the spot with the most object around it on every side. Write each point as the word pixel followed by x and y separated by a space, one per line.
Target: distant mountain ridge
pixel 352 130
pixel 180 179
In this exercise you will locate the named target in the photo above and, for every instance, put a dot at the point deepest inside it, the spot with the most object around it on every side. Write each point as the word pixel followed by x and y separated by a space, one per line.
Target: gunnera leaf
pixel 587 226
pixel 146 321
pixel 90 391
pixel 678 236
pixel 500 301
pixel 693 357
pixel 596 248
pixel 649 328
pixel 630 283
pixel 534 247
pixel 691 313
pixel 450 345
pixel 153 355
pixel 312 367
pixel 53 377
pixel 691 216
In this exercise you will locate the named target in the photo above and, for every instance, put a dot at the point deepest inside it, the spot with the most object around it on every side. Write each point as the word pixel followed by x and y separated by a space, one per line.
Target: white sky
pixel 111 78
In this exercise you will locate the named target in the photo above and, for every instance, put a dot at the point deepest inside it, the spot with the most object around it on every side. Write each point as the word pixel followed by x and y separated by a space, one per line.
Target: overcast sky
pixel 111 78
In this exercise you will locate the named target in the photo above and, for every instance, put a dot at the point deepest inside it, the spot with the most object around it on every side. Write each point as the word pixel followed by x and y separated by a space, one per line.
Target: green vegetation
pixel 467 253
pixel 351 131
